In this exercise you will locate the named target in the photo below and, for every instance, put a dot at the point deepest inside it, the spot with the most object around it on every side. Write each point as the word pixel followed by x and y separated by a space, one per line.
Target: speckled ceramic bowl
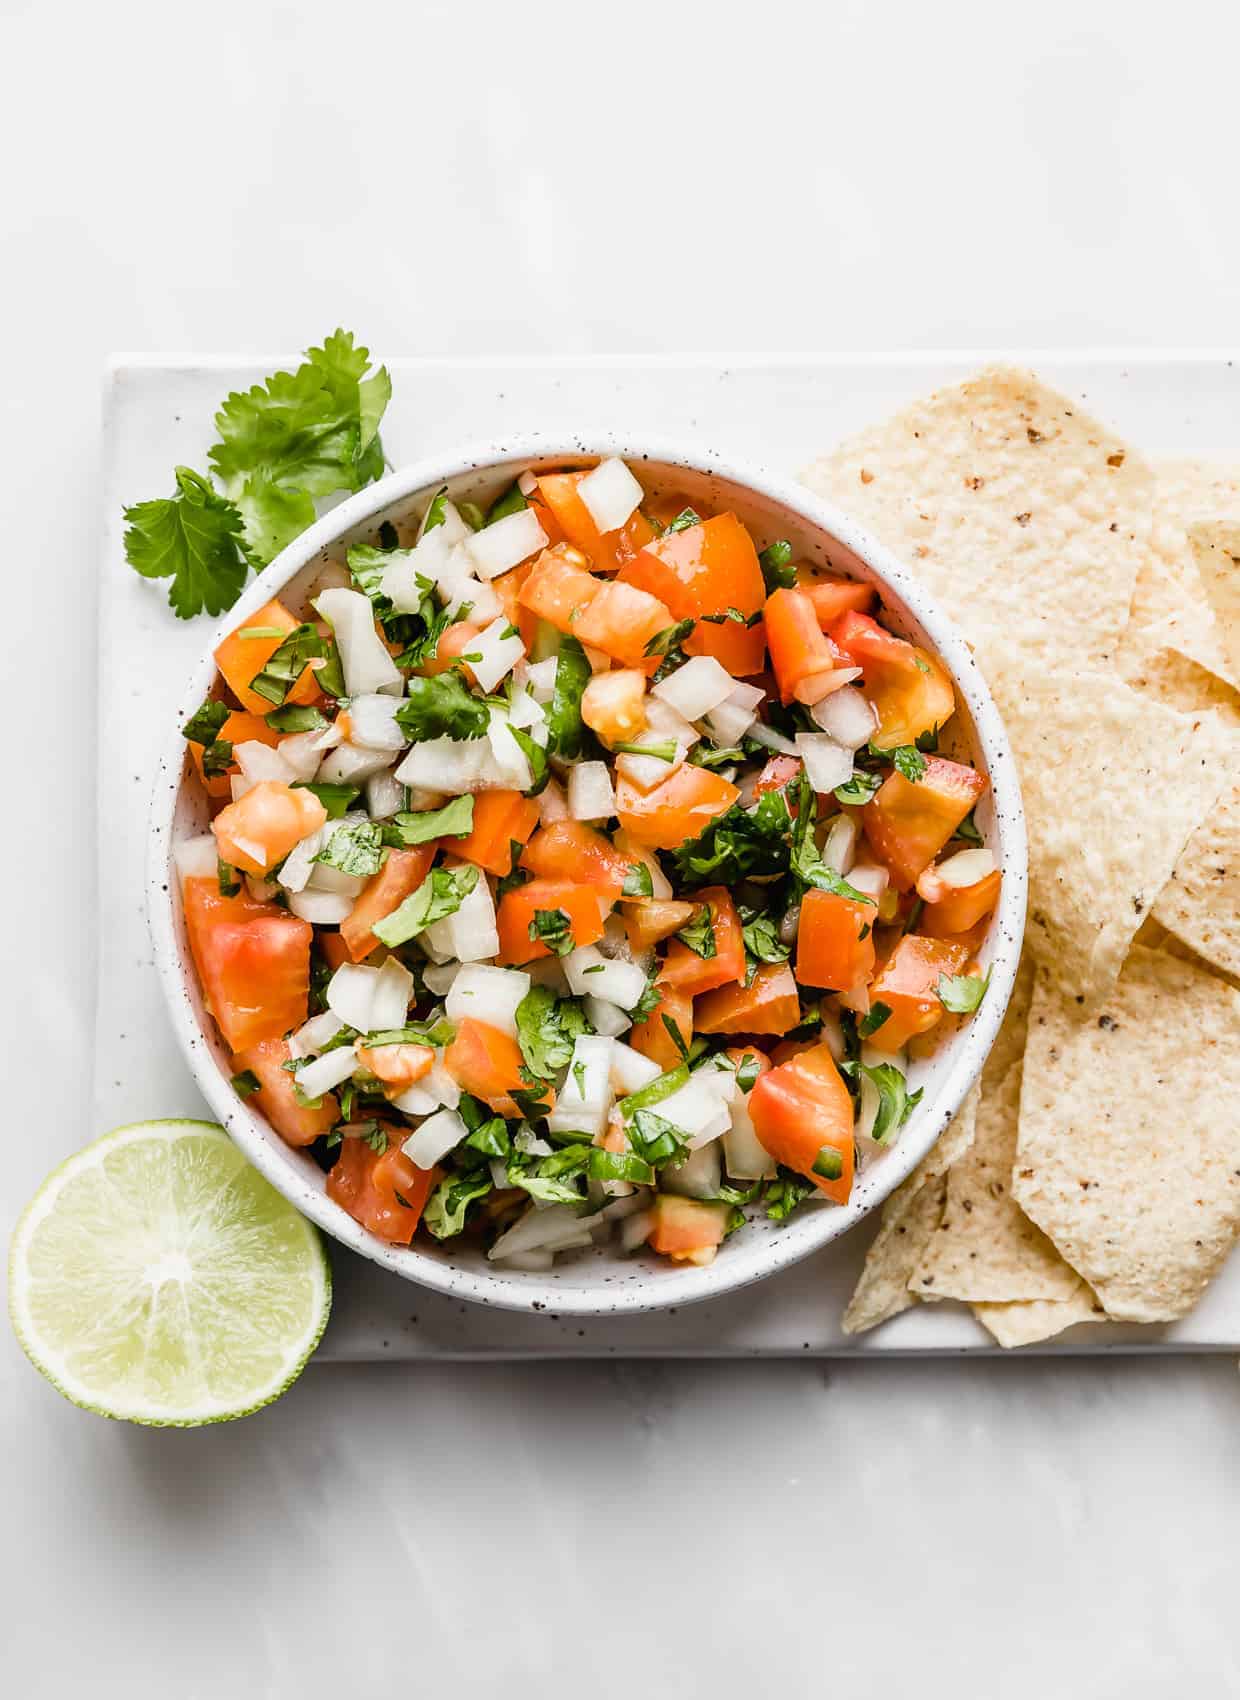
pixel 602 1281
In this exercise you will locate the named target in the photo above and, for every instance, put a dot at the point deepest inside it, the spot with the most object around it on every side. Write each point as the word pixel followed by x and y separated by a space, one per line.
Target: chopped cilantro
pixel 334 798
pixel 637 881
pixel 246 1084
pixel 565 728
pixel 778 573
pixel 699 934
pixel 453 820
pixel 448 1205
pixel 354 848
pixel 684 519
pixel 554 928
pixel 296 717
pixel 662 643
pixel 205 724
pixel 546 1029
pixel 878 1013
pixel 961 993
pixel 440 895
pixel 442 707
pixel 227 879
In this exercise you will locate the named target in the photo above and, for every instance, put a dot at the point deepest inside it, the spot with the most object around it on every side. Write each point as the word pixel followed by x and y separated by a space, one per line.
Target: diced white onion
pixel 399 580
pixel 457 586
pixel 965 868
pixel 635 1230
pixel 440 977
pixel 832 1034
pixel 510 766
pixel 766 735
pixel 197 858
pixel 374 723
pixel 648 771
pixel 552 803
pixel 349 764
pixel 693 690
pixel 326 1072
pixel 587 1095
pixel 498 654
pixel 698 1108
pixel 437 1136
pixel 728 724
pixel 869 878
pixel 698 1176
pixel 415 1101
pixel 630 1069
pixel 526 711
pixel 304 751
pixel 323 877
pixel 668 722
pixel 590 973
pixel 591 796
pixel 312 1035
pixel 365 662
pixel 441 1085
pixel 606 1018
pixel 470 934
pixel 449 765
pixel 840 849
pixel 827 764
pixel 487 994
pixel 540 679
pixel 747 1159
pixel 393 991
pixel 499 547
pixel 321 908
pixel 611 494
pixel 351 995
pixel 385 795
pixel 259 762
pixel 846 716
pixel 451 524
pixel 660 885
pixel 537 1228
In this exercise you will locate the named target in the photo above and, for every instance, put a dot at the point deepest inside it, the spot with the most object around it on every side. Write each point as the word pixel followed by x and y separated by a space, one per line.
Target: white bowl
pixel 602 1281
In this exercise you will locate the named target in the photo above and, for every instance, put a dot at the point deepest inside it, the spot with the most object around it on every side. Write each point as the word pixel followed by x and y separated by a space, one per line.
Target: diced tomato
pixel 688 1230
pixel 707 569
pixel 769 1004
pixel 260 829
pixel 241 659
pixel 613 705
pixel 805 665
pixel 241 727
pixel 384 1191
pixel 558 588
pixel 508 588
pixel 779 771
pixel 253 963
pixel 487 1062
pixel 909 688
pixel 606 550
pixel 276 1098
pixel 397 1066
pixel 789 1048
pixel 454 641
pixel 652 919
pixel 908 822
pixel 802 1113
pixel 621 620
pixel 335 950
pixel 651 1036
pixel 678 809
pixel 692 973
pixel 960 910
pixel 501 818
pixel 832 597
pixel 835 941
pixel 906 984
pixel 571 850
pixel 518 908
pixel 398 878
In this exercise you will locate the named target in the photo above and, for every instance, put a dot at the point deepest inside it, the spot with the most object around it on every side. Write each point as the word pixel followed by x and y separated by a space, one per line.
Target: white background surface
pixel 485 179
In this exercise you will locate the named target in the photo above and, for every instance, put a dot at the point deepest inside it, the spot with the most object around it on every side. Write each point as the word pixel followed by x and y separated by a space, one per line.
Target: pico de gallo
pixel 583 868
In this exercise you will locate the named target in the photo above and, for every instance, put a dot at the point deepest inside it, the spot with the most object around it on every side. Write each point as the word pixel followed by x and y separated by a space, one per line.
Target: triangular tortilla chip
pixel 1028 1321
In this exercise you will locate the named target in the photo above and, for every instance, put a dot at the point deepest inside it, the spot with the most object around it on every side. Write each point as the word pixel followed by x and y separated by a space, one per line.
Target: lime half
pixel 157 1277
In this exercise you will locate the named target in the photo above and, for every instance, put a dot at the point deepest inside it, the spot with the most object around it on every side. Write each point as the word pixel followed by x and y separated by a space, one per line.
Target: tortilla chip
pixel 1128 1154
pixel 909 1217
pixel 985 1247
pixel 1024 1324
pixel 1200 903
pixel 1215 548
pixel 1011 504
pixel 1088 750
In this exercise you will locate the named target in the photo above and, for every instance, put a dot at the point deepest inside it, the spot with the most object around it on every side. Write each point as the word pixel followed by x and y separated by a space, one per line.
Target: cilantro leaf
pixel 354 848
pixel 638 881
pixel 967 830
pixel 859 789
pixel 511 502
pixel 540 767
pixel 699 934
pixel 778 573
pixel 296 717
pixel 656 1140
pixel 565 727
pixel 895 1102
pixel 784 1193
pixel 961 993
pixel 701 755
pixel 553 928
pixel 286 664
pixel 246 1083
pixel 440 895
pixel 806 861
pixel 193 538
pixel 549 1180
pixel 650 999
pixel 908 760
pixel 449 1204
pixel 442 707
pixel 298 436
pixel 737 844
pixel 546 1029
pixel 227 879
pixel 204 724
pixel 760 932
pixel 684 519
pixel 334 798
pixel 453 820
pixel 217 758
pixel 671 637
pixel 879 1012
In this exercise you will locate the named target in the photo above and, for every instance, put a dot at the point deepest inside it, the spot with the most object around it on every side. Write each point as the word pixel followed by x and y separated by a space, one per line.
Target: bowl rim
pixel 683 1284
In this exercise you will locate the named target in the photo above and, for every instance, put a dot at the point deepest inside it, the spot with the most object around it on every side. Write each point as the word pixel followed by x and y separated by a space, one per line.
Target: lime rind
pixel 157 1278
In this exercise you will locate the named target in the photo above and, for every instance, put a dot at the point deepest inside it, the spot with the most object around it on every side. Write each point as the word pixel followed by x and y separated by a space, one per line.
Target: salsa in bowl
pixel 586 876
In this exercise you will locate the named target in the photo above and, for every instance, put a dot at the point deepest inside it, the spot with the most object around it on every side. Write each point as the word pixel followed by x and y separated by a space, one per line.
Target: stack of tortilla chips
pixel 1094 1172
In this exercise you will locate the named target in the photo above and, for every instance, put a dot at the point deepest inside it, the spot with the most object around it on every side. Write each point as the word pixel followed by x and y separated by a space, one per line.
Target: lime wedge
pixel 157 1277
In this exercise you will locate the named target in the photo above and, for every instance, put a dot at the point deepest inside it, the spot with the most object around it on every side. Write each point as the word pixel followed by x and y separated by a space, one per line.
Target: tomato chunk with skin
pixel 908 822
pixel 909 688
pixel 241 727
pixel 832 597
pixel 769 1004
pixel 398 1066
pixel 678 809
pixel 804 663
pixel 241 659
pixel 260 829
pixel 276 1099
pixel 778 772
pixel 607 550
pixel 571 850
pixel 621 620
pixel 559 588
pixel 253 963
pixel 906 984
pixel 707 569
pixel 802 1114
pixel 508 588
pixel 383 1190
pixel 693 973
pixel 651 1036
pixel 835 941
pixel 398 878
pixel 501 819
pixel 652 919
pixel 517 910
pixel 688 1230
pixel 960 910
pixel 487 1062
pixel 454 641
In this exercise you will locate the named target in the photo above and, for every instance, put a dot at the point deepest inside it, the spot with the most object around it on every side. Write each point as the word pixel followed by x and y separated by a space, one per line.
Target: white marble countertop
pixel 485 179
